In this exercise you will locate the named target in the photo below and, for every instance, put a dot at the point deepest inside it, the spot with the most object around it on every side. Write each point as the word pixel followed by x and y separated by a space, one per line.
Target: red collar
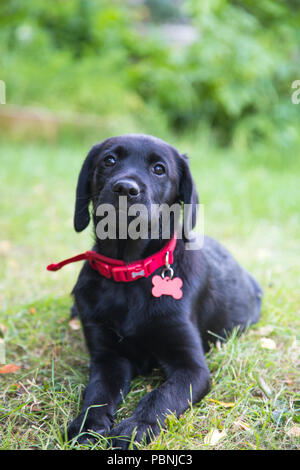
pixel 117 269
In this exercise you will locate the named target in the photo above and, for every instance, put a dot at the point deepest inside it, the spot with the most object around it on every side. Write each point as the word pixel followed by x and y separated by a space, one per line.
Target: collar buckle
pixel 139 270
pixel 131 273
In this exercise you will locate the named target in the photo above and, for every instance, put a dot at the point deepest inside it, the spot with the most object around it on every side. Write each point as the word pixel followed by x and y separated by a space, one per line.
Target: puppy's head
pixel 144 169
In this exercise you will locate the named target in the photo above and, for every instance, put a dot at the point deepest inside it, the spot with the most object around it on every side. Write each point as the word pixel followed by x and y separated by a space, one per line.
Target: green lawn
pixel 251 204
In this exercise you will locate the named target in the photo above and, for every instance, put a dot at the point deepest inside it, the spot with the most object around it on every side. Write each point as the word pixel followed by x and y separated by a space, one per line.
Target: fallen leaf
pixel 241 424
pixel 214 436
pixel 289 381
pixel 222 403
pixel 267 343
pixel 74 324
pixel 9 368
pixel 14 388
pixel 5 246
pixel 294 431
pixel 35 408
pixel 265 330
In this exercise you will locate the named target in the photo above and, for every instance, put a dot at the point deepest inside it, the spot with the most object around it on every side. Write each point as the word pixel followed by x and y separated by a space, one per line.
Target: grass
pixel 251 204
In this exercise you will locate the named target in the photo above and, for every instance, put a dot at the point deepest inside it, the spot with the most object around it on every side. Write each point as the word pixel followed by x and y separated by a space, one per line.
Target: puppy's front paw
pixel 87 421
pixel 132 430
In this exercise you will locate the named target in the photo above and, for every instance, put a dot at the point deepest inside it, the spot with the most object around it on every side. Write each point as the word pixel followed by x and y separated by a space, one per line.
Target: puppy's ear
pixel 83 191
pixel 187 195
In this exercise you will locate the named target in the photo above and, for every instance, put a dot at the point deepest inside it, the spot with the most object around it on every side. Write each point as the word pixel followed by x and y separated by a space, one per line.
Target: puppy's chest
pixel 123 310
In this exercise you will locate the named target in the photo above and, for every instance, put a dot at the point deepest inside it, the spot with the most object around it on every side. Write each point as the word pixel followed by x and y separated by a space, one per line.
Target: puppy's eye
pixel 109 160
pixel 159 169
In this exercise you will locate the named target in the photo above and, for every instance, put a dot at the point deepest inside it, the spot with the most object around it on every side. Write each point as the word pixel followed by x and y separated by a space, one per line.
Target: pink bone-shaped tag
pixel 167 286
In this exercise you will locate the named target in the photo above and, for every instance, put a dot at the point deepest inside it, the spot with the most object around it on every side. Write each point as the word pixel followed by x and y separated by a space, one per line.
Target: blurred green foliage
pixel 89 56
pixel 165 10
pixel 242 68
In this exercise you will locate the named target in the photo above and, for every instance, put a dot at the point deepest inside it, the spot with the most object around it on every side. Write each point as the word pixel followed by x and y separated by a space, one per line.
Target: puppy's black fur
pixel 127 330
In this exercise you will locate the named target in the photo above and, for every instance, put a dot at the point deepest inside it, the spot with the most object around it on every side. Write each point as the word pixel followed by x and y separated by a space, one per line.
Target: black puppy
pixel 127 329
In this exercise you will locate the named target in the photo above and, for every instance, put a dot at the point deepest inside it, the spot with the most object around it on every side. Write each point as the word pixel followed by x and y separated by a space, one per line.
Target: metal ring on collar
pixel 167 269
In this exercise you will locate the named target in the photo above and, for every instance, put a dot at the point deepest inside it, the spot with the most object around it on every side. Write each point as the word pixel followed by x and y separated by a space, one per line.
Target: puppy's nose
pixel 126 187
